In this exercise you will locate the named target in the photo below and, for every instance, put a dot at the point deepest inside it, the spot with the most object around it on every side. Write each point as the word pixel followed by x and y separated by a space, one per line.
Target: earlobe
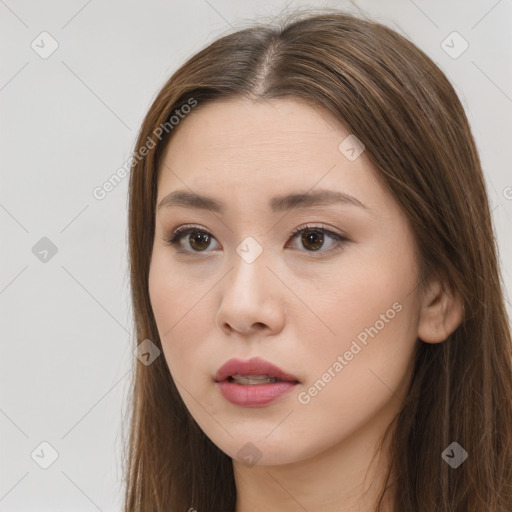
pixel 441 313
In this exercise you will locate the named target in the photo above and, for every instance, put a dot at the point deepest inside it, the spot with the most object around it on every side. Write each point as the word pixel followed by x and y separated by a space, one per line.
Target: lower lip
pixel 255 395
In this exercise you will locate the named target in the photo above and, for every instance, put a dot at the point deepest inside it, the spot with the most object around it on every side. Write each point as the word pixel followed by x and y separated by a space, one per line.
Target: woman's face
pixel 338 316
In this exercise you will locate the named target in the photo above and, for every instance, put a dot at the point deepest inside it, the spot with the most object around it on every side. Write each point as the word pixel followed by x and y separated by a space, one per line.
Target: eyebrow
pixel 276 204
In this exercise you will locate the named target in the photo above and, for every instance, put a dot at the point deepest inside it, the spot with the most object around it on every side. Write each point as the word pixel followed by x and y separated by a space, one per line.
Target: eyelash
pixel 177 235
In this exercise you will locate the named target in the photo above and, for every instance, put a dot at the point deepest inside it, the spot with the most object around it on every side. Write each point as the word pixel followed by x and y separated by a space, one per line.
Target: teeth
pixel 253 379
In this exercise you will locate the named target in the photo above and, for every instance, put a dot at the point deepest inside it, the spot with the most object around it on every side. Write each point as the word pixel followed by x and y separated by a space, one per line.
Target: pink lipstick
pixel 253 383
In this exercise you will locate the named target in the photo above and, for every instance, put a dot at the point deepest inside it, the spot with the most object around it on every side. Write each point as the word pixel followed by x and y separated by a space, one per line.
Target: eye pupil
pixel 314 237
pixel 199 238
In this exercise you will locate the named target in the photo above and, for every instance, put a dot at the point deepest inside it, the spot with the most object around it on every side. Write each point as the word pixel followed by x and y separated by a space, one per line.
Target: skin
pixel 295 307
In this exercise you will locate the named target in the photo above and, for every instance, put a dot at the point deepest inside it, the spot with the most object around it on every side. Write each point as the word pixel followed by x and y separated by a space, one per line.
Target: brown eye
pixel 198 239
pixel 313 239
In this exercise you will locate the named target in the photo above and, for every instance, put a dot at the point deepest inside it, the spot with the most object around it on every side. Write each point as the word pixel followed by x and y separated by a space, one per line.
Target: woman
pixel 311 251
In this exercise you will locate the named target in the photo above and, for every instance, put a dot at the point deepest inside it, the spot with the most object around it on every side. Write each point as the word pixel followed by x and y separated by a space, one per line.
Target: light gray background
pixel 68 122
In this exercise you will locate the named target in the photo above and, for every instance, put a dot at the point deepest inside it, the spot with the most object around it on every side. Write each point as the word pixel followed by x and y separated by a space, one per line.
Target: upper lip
pixel 253 366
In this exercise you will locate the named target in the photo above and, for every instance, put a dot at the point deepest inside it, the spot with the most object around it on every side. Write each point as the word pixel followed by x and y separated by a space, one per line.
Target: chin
pixel 256 450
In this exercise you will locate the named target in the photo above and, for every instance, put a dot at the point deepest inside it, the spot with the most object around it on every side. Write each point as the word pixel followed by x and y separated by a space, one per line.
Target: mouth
pixel 252 380
pixel 252 372
pixel 253 383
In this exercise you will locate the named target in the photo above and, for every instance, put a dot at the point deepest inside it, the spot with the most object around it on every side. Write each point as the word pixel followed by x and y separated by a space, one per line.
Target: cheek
pixel 372 311
pixel 184 318
pixel 356 378
pixel 367 291
pixel 171 294
pixel 373 341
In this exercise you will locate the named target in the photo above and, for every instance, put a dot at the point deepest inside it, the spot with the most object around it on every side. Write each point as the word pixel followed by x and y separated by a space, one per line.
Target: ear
pixel 441 312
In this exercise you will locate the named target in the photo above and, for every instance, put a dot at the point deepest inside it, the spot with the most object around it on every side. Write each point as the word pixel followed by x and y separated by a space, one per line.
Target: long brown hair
pixel 405 111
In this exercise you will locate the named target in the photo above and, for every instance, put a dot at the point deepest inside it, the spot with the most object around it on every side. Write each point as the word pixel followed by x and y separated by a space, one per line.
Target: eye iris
pixel 314 237
pixel 199 238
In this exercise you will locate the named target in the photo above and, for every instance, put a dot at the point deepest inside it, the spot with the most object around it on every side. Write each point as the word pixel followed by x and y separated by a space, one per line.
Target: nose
pixel 251 300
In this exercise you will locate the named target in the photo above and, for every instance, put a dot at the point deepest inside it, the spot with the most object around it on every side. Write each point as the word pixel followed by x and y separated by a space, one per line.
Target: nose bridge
pixel 248 301
pixel 250 266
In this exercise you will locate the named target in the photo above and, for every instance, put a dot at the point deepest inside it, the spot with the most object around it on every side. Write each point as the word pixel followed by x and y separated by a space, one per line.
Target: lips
pixel 253 383
pixel 253 367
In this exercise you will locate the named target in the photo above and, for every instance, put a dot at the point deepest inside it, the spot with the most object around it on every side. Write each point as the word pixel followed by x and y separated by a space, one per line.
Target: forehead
pixel 240 142
pixel 275 117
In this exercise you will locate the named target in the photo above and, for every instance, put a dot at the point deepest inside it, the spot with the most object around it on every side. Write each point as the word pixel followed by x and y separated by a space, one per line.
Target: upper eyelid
pixel 186 227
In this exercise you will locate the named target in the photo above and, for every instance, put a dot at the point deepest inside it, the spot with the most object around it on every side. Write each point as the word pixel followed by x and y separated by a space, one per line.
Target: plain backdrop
pixel 76 80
